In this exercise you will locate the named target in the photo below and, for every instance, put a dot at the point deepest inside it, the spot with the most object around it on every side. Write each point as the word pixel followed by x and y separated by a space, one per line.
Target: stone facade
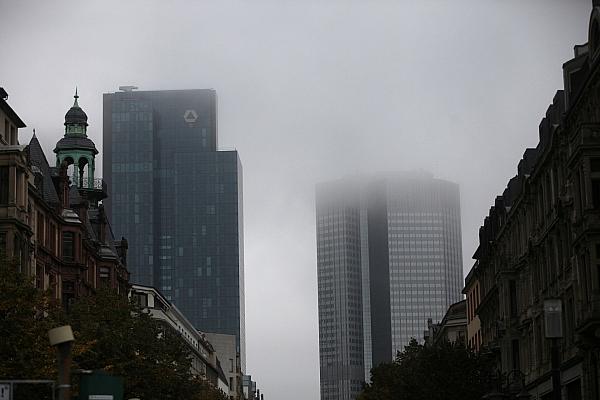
pixel 541 240
pixel 55 231
pixel 15 229
pixel 452 328
pixel 225 346
pixel 205 361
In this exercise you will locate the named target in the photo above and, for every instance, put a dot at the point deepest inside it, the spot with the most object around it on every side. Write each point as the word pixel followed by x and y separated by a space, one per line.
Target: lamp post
pixel 62 338
pixel 553 331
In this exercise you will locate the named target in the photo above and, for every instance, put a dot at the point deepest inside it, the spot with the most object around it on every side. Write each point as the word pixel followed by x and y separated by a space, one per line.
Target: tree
pixel 111 334
pixel 446 371
pixel 26 315
pixel 117 336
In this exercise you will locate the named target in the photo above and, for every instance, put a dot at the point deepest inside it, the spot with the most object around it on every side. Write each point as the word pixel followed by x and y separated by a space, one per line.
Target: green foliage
pixel 25 318
pixel 441 372
pixel 24 323
pixel 111 334
pixel 116 336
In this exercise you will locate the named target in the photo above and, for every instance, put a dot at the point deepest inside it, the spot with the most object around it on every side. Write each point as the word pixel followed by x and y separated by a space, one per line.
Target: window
pixel 596 193
pixel 515 355
pixel 104 274
pixel 574 390
pixel 2 243
pixel 52 284
pixel 68 247
pixel 3 185
pixel 13 135
pixel 595 181
pixel 538 342
pixel 513 298
pixel 40 231
pixel 570 319
pixel 20 251
pixel 52 238
pixel 141 299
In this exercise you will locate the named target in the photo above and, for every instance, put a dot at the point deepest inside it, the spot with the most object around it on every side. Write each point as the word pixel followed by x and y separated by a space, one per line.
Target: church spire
pixel 75 104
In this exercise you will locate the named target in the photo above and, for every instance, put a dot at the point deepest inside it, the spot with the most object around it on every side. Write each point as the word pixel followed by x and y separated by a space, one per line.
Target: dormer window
pixel 4 185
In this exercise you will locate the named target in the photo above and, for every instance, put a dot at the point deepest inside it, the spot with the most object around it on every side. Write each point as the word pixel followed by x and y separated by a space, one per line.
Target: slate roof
pixel 38 159
pixel 76 115
pixel 9 111
pixel 457 311
pixel 74 143
pixel 74 196
pixel 90 229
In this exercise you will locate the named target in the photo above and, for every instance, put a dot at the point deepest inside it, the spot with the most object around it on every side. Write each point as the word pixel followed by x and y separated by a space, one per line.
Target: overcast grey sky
pixel 308 91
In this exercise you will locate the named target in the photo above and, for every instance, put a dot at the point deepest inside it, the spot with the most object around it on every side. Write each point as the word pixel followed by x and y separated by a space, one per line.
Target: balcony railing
pixel 91 183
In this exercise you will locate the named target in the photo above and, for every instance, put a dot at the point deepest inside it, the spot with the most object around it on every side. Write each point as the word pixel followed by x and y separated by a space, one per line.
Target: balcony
pixel 93 186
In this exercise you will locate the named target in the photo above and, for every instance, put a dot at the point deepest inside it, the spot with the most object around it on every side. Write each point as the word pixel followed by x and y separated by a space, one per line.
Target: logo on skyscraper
pixel 190 116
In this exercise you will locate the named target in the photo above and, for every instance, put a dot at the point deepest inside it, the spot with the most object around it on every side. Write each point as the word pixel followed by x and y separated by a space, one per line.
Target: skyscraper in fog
pixel 178 201
pixel 388 258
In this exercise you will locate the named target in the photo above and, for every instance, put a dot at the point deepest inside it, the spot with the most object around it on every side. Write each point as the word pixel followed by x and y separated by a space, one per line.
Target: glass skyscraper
pixel 178 201
pixel 388 258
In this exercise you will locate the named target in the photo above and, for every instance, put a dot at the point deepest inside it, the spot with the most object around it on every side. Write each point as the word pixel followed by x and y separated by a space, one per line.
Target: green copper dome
pixel 75 115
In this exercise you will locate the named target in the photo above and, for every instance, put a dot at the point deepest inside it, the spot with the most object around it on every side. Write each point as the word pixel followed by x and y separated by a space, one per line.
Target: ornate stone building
pixel 452 328
pixel 541 240
pixel 15 230
pixel 55 228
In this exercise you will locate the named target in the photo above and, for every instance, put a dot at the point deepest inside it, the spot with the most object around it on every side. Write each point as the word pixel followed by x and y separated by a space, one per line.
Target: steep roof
pixel 9 111
pixel 38 159
pixel 74 196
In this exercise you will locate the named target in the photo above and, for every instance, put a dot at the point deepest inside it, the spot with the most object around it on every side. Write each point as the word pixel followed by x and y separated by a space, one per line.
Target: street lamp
pixel 62 338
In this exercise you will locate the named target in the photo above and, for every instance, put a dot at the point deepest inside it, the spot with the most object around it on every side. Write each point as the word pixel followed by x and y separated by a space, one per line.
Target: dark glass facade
pixel 178 201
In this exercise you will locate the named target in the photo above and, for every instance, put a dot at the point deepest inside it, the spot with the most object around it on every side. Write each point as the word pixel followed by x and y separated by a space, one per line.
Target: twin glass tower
pixel 388 259
pixel 178 201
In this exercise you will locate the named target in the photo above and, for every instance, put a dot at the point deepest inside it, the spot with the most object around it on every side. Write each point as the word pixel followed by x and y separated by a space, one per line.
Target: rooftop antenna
pixel 127 88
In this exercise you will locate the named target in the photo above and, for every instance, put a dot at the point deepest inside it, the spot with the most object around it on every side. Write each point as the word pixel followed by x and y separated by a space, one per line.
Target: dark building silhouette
pixel 388 259
pixel 178 200
pixel 541 240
